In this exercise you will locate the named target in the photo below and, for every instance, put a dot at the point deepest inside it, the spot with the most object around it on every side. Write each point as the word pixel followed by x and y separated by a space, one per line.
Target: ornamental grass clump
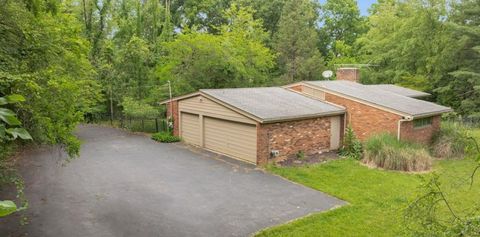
pixel 385 151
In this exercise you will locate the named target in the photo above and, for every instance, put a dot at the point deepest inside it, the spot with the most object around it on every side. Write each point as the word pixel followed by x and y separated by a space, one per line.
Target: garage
pixel 190 128
pixel 256 124
pixel 238 140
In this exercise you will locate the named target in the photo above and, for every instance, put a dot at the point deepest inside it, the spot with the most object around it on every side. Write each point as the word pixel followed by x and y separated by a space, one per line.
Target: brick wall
pixel 298 88
pixel 348 74
pixel 366 120
pixel 309 136
pixel 422 134
pixel 175 116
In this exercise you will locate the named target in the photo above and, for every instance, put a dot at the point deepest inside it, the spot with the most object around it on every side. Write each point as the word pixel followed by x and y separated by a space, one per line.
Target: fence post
pixel 156 124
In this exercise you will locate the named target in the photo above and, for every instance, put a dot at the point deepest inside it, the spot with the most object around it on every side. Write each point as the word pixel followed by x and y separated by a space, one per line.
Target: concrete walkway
pixel 128 185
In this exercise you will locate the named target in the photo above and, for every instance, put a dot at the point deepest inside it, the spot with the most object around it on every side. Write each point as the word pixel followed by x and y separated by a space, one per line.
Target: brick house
pixel 372 109
pixel 257 124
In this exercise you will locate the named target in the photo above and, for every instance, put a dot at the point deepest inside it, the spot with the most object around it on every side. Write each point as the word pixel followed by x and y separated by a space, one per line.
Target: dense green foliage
pixel 44 58
pixel 352 147
pixel 9 124
pixel 342 25
pixel 426 45
pixel 236 57
pixel 165 137
pixel 295 41
pixel 386 151
pixel 451 141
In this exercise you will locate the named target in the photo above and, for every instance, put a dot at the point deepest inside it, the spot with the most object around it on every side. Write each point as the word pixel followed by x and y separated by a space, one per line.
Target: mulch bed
pixel 292 160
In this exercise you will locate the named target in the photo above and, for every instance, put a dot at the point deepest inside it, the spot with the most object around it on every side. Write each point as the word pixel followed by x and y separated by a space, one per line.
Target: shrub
pixel 450 141
pixel 385 151
pixel 352 147
pixel 300 155
pixel 165 137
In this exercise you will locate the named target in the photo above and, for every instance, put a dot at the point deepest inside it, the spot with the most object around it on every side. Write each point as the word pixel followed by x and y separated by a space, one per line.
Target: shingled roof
pixel 399 90
pixel 271 104
pixel 401 104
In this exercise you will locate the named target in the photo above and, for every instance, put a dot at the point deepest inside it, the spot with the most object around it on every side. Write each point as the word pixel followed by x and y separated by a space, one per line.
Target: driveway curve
pixel 128 185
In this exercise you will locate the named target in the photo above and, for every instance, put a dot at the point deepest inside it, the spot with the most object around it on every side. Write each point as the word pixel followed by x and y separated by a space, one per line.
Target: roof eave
pixel 179 97
pixel 420 95
pixel 295 118
pixel 429 114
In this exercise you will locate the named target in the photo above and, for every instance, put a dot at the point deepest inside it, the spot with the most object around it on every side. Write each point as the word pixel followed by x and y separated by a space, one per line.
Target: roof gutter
pixel 432 113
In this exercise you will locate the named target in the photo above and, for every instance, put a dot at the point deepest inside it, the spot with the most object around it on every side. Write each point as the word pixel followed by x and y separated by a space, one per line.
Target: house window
pixel 423 122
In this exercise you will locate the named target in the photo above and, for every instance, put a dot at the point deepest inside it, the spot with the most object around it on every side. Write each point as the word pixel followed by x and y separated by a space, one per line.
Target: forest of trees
pixel 72 58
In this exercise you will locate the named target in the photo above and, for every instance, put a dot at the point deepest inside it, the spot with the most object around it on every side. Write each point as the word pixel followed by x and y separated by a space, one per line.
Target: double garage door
pixel 234 139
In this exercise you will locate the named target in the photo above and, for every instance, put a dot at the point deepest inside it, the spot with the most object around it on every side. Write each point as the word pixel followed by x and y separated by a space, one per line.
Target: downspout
pixel 400 121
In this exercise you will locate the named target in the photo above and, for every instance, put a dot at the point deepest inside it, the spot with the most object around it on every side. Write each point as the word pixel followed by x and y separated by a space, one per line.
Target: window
pixel 423 122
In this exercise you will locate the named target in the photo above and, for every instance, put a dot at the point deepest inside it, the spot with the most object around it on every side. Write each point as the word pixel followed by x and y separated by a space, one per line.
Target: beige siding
pixel 335 132
pixel 318 94
pixel 238 140
pixel 190 128
pixel 204 106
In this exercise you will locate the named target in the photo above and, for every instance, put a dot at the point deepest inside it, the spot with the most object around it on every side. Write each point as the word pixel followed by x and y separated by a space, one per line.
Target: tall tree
pixel 95 15
pixel 236 57
pixel 409 43
pixel 269 11
pixel 44 58
pixel 204 15
pixel 132 69
pixel 341 25
pixel 295 42
pixel 461 87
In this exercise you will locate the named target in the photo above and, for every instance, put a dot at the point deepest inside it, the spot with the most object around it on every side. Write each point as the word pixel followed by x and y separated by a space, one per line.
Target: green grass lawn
pixel 377 198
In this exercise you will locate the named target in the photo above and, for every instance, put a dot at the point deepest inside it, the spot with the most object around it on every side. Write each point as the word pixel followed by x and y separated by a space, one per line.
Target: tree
pixel 295 42
pixel 461 87
pixel 341 25
pixel 409 43
pixel 46 60
pixel 234 58
pixel 203 15
pixel 269 11
pixel 132 69
pixel 94 14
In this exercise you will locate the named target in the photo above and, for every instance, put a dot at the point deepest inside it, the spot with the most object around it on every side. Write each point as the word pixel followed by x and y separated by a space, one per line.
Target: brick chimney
pixel 348 74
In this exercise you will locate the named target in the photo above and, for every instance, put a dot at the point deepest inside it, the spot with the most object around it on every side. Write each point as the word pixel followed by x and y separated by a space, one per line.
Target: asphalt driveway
pixel 128 185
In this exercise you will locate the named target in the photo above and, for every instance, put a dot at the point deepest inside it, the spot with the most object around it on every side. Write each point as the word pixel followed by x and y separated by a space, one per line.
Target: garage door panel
pixel 190 128
pixel 231 138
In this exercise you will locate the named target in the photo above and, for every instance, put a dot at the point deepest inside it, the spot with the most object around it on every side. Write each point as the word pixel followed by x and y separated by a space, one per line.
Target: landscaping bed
pixel 294 160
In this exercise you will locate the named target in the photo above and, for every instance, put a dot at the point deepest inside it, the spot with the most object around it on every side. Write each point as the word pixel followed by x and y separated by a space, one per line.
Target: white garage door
pixel 190 128
pixel 237 140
